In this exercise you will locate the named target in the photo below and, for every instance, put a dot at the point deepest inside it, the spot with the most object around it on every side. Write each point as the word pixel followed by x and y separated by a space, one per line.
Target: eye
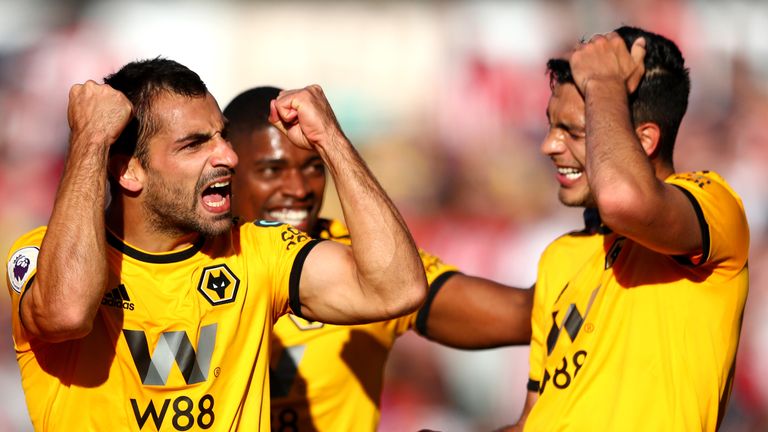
pixel 315 168
pixel 192 145
pixel 268 171
pixel 574 133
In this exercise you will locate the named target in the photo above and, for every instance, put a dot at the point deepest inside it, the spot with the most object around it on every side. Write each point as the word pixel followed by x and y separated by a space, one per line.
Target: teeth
pixel 289 216
pixel 569 173
pixel 221 184
pixel 216 203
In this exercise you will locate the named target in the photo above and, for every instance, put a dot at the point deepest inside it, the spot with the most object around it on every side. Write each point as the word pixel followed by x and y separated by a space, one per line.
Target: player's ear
pixel 128 172
pixel 649 135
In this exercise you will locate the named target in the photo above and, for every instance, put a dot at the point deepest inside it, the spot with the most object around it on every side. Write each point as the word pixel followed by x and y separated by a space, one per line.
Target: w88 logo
pixel 563 376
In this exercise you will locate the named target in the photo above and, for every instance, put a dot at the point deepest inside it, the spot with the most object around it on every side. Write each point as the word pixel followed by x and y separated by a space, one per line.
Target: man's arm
pixel 71 274
pixel 380 276
pixel 472 313
pixel 631 199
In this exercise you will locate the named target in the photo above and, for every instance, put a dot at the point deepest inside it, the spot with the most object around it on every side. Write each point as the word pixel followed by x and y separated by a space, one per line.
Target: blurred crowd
pixel 446 102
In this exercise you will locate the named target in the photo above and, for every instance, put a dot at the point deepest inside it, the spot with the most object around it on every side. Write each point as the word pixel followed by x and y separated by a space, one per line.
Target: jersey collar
pixel 164 258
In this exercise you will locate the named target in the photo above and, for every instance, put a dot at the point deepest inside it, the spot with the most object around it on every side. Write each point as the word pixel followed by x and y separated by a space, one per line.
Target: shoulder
pixel 721 215
pixel 261 228
pixel 28 241
pixel 572 242
pixel 252 235
pixel 705 185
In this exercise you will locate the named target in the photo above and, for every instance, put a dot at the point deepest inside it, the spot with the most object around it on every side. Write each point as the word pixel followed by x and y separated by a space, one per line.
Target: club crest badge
pixel 22 264
pixel 218 284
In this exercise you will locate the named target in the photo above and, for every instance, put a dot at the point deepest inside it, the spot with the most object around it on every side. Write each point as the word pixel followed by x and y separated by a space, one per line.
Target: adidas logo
pixel 118 298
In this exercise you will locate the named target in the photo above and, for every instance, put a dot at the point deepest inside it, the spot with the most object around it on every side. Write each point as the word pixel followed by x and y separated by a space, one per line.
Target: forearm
pixel 386 260
pixel 475 336
pixel 72 269
pixel 475 313
pixel 619 172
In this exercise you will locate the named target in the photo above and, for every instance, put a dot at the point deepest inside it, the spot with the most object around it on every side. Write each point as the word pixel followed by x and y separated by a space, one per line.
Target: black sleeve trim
pixel 26 290
pixel 705 241
pixel 532 385
pixel 423 314
pixel 293 283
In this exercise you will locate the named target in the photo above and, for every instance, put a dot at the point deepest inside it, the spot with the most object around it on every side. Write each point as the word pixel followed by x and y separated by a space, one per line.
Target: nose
pixel 553 143
pixel 223 155
pixel 294 183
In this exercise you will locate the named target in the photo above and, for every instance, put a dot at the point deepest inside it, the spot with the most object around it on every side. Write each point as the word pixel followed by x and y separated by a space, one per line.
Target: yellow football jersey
pixel 329 378
pixel 180 341
pixel 625 338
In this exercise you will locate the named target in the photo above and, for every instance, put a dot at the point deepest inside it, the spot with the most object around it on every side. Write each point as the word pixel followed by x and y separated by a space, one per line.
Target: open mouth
pixel 216 196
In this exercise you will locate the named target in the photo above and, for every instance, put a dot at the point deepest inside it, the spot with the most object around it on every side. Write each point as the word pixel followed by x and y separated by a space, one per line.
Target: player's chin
pixel 573 198
pixel 217 224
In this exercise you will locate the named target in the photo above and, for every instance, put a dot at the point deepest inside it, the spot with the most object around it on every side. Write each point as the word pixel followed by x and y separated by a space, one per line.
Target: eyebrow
pixel 195 136
pixel 203 136
pixel 269 160
pixel 284 161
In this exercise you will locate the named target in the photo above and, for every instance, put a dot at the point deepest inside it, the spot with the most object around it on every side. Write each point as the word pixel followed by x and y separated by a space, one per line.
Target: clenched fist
pixel 306 117
pixel 97 113
pixel 605 58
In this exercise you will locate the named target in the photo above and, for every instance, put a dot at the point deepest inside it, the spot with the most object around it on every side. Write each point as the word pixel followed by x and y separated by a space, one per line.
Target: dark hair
pixel 141 82
pixel 661 97
pixel 249 110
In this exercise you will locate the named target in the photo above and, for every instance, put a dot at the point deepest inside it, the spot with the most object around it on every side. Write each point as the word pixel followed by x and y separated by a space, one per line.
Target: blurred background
pixel 446 101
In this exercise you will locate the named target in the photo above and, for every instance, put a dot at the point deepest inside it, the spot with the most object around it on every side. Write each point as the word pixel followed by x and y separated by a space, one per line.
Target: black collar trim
pixel 166 258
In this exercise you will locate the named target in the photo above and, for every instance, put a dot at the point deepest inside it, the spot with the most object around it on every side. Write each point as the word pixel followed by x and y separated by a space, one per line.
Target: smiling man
pixel 157 314
pixel 279 182
pixel 636 318
pixel 327 377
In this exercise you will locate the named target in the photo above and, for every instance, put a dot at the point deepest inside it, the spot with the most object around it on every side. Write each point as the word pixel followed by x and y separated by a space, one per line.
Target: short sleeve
pixel 282 250
pixel 21 268
pixel 721 215
pixel 537 354
pixel 437 273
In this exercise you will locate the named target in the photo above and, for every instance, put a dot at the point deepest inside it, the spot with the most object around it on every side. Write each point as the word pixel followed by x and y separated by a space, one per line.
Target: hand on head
pixel 605 58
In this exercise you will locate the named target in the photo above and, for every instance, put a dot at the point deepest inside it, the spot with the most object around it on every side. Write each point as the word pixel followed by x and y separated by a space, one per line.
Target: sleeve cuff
pixel 293 285
pixel 532 385
pixel 423 314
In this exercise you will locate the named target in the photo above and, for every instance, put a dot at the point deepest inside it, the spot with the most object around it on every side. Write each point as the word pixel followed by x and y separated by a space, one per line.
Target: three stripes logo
pixel 118 298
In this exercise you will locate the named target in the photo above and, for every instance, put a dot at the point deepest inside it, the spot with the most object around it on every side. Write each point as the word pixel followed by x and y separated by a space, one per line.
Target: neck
pixel 662 169
pixel 128 223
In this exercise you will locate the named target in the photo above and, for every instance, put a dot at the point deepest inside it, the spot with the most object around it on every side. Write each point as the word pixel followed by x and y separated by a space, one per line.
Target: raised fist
pixel 306 117
pixel 97 112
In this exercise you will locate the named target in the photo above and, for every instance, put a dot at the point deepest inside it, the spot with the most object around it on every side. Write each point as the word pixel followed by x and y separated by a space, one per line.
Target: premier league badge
pixel 22 264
